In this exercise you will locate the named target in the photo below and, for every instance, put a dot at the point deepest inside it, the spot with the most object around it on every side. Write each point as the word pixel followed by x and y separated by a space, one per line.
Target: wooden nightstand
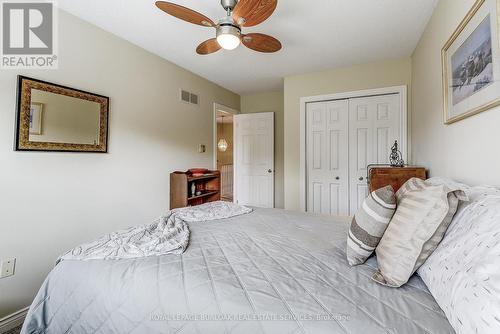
pixel 379 177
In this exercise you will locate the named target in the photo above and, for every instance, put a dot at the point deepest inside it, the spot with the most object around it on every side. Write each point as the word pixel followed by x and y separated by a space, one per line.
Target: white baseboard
pixel 13 320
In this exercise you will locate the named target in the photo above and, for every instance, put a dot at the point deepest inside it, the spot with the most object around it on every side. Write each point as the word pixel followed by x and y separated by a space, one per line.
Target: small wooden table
pixel 381 176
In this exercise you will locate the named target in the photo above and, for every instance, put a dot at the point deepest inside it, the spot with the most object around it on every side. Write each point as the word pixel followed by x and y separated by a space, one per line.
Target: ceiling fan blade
pixel 248 13
pixel 185 14
pixel 261 43
pixel 207 47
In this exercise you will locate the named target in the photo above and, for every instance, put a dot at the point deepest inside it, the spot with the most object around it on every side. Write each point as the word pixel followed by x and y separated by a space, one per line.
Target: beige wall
pixel 265 102
pixel 368 76
pixel 467 150
pixel 51 202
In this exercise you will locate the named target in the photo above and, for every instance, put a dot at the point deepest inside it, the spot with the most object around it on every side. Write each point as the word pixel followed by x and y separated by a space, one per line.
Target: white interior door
pixel 254 159
pixel 374 125
pixel 327 157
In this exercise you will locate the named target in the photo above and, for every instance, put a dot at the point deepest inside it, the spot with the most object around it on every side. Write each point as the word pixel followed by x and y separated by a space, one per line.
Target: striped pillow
pixel 418 226
pixel 369 225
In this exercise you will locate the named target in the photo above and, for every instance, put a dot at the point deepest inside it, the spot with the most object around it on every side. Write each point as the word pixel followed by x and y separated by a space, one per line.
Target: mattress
pixel 271 271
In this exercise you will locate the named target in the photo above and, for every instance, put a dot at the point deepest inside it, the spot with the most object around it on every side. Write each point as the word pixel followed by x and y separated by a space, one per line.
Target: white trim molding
pixel 13 320
pixel 401 90
pixel 223 108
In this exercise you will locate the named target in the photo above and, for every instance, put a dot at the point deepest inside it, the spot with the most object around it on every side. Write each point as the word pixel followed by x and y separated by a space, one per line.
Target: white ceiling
pixel 316 35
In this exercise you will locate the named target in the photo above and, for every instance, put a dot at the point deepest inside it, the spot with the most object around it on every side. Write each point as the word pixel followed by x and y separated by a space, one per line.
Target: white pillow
pixel 449 182
pixel 473 193
pixel 479 192
pixel 463 273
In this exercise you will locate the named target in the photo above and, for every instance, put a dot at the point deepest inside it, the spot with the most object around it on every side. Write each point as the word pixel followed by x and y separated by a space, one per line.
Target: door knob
pixel 337 178
pixel 269 170
pixel 361 178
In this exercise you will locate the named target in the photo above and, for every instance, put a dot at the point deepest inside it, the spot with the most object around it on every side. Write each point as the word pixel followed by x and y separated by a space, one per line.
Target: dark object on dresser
pixel 396 157
pixel 381 176
pixel 206 185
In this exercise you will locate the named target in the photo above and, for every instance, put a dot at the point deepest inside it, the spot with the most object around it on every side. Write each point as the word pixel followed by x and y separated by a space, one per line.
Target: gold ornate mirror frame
pixel 22 142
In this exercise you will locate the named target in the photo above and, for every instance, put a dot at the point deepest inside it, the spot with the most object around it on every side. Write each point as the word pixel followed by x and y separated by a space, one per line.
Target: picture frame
pixel 25 130
pixel 471 63
pixel 36 115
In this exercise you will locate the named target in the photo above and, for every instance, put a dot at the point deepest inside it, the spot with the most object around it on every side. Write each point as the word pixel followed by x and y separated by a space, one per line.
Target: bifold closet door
pixel 374 125
pixel 327 157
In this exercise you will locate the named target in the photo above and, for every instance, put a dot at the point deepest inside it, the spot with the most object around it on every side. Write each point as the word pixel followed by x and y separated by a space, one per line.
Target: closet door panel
pixel 360 148
pixel 327 157
pixel 374 124
pixel 387 125
pixel 343 137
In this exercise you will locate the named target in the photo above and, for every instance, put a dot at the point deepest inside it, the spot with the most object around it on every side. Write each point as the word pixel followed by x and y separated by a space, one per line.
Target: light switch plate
pixel 8 267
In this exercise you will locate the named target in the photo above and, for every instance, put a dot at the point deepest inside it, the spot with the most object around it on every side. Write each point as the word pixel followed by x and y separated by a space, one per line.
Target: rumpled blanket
pixel 168 235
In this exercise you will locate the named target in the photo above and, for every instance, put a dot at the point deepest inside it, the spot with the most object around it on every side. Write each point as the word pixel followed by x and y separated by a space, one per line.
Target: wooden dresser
pixel 379 177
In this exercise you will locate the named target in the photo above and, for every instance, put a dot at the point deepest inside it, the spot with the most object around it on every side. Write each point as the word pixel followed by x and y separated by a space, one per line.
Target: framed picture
pixel 471 63
pixel 36 111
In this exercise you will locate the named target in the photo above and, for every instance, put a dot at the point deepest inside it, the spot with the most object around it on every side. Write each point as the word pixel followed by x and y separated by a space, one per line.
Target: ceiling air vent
pixel 189 97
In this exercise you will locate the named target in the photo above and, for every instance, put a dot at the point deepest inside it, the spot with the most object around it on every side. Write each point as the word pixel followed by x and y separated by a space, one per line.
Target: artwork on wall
pixel 471 63
pixel 36 112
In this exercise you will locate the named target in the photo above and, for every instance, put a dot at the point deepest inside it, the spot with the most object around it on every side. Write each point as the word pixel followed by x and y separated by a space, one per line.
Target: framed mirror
pixel 52 117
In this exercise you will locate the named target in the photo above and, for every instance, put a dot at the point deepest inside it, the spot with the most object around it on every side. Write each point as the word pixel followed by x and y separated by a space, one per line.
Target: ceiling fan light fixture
pixel 228 36
pixel 239 14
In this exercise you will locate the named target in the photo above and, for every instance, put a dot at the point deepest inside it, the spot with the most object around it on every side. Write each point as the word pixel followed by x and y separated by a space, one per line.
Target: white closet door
pixel 374 125
pixel 254 159
pixel 327 157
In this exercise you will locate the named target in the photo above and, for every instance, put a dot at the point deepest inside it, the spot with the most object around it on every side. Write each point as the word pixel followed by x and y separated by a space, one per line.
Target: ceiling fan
pixel 242 13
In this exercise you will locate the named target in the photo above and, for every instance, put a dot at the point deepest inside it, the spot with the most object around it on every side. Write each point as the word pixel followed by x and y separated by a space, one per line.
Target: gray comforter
pixel 168 235
pixel 270 271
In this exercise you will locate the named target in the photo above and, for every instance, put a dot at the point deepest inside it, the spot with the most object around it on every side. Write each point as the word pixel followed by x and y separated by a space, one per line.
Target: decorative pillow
pixel 463 273
pixel 369 224
pixel 410 185
pixel 418 226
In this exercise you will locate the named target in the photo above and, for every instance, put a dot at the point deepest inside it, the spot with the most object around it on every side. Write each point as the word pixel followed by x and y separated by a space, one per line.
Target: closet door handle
pixel 361 178
pixel 337 178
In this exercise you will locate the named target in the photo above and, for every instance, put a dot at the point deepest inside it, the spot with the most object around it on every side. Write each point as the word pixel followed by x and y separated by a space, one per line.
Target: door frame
pixel 403 96
pixel 226 109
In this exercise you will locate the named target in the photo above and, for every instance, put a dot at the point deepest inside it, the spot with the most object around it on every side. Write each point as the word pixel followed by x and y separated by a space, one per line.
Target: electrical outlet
pixel 7 268
pixel 202 148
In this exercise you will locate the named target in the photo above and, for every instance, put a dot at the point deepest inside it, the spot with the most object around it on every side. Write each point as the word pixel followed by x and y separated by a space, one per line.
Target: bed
pixel 270 271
